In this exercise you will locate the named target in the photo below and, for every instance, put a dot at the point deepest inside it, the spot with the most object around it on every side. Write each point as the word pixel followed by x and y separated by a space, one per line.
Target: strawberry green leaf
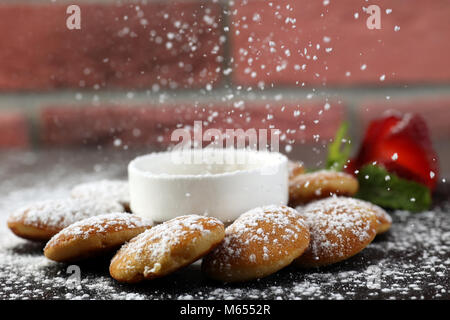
pixel 339 149
pixel 388 190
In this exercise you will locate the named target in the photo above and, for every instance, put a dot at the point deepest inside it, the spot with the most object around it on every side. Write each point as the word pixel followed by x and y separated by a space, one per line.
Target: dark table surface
pixel 411 261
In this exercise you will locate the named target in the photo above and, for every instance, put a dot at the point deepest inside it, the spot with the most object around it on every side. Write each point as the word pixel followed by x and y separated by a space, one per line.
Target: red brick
pixel 151 125
pixel 13 130
pixel 113 49
pixel 436 112
pixel 72 126
pixel 417 53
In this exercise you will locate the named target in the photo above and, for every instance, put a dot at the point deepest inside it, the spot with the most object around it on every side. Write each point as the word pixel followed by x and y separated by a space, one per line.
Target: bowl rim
pixel 279 158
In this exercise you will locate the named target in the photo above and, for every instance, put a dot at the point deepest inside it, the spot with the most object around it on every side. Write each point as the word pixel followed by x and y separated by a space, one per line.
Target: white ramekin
pixel 222 183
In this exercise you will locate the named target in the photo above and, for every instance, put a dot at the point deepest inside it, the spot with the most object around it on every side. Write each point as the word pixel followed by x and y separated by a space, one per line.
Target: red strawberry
pixel 403 146
pixel 377 131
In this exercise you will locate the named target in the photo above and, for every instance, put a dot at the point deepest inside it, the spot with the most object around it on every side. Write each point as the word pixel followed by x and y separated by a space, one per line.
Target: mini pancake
pixel 112 190
pixel 383 218
pixel 260 242
pixel 93 236
pixel 295 168
pixel 339 227
pixel 166 248
pixel 308 187
pixel 42 220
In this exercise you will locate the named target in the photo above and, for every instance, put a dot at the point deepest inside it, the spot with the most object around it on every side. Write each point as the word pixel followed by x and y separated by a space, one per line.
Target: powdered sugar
pixel 61 213
pixel 323 175
pixel 331 221
pixel 381 214
pixel 104 223
pixel 295 168
pixel 411 261
pixel 269 226
pixel 157 242
pixel 273 215
pixel 115 190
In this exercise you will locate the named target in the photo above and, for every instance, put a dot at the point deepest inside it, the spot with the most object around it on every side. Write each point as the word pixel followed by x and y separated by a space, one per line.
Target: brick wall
pixel 137 70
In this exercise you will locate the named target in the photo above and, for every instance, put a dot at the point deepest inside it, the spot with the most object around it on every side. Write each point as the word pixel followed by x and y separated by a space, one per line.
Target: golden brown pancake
pixel 42 220
pixel 94 236
pixel 339 228
pixel 308 187
pixel 166 248
pixel 259 243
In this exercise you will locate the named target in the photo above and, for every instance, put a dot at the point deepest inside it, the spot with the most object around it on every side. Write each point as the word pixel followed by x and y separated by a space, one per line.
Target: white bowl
pixel 222 183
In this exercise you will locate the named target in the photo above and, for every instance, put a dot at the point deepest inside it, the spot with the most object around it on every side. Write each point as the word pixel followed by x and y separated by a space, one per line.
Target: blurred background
pixel 137 70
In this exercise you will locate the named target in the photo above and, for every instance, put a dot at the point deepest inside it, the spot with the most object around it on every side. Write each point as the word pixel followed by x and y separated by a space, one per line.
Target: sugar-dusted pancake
pixel 383 218
pixel 308 187
pixel 166 248
pixel 94 236
pixel 257 244
pixel 339 228
pixel 42 220
pixel 295 168
pixel 113 190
